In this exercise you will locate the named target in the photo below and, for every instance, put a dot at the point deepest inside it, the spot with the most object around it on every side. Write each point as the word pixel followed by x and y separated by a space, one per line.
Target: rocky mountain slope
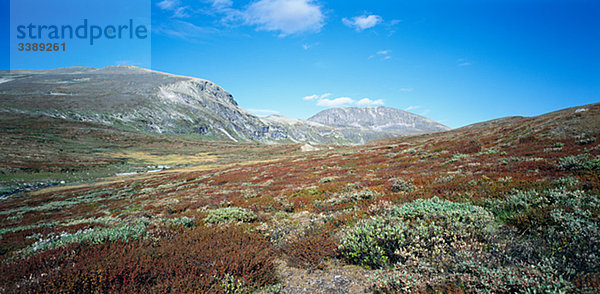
pixel 133 99
pixel 136 99
pixel 378 119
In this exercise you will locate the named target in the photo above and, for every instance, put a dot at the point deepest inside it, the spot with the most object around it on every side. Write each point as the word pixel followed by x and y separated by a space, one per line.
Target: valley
pixel 506 205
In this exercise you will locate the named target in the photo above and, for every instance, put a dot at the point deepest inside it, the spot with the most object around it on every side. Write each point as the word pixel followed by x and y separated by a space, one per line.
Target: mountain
pixel 378 119
pixel 131 98
pixel 136 99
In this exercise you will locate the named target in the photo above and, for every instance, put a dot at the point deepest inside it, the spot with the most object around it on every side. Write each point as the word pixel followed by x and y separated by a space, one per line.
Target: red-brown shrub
pixel 312 248
pixel 185 261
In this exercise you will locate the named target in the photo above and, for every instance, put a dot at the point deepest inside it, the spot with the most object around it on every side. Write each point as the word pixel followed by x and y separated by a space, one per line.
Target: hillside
pixel 139 100
pixel 132 99
pixel 378 119
pixel 504 206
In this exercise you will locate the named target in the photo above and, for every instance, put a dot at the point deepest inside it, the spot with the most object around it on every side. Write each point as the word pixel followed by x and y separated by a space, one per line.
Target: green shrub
pixel 327 180
pixel 458 157
pixel 586 141
pixel 441 246
pixel 470 276
pixel 185 221
pixel 123 232
pixel 565 222
pixel 229 214
pixel 422 228
pixel 567 182
pixel 578 162
pixel 348 196
pixel 399 185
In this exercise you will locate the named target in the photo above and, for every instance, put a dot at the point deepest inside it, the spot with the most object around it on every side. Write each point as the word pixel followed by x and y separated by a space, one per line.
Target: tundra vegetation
pixel 502 207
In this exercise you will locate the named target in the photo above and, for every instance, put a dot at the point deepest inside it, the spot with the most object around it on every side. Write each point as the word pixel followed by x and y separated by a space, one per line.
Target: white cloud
pixel 174 6
pixel 307 46
pixel 184 30
pixel 335 102
pixel 384 54
pixel 463 62
pixel 413 107
pixel 322 100
pixel 285 16
pixel 263 111
pixel 181 12
pixel 168 4
pixel 221 4
pixel 363 22
pixel 367 101
pixel 313 97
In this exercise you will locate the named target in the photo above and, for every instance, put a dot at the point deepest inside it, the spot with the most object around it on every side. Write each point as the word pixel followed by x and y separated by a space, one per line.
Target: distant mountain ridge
pixel 138 99
pixel 380 119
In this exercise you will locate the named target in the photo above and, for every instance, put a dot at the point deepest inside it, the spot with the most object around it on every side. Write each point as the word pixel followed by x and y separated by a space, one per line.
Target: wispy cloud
pixel 391 26
pixel 307 46
pixel 367 101
pixel 322 100
pixel 363 22
pixel 175 7
pixel 285 16
pixel 168 4
pixel 463 62
pixel 406 89
pixel 263 111
pixel 221 4
pixel 395 22
pixel 315 96
pixel 384 54
pixel 184 30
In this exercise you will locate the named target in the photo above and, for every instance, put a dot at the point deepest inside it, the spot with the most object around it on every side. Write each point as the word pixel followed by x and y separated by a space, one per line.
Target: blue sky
pixel 457 62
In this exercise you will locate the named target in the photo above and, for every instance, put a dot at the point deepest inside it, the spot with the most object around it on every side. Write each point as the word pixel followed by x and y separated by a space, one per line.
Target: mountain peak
pixel 378 118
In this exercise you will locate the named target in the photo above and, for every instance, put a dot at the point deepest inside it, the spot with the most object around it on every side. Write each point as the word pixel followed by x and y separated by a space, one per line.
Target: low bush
pixel 312 248
pixel 441 246
pixel 578 162
pixel 586 141
pixel 229 214
pixel 399 185
pixel 198 260
pixel 122 232
pixel 458 157
pixel 419 229
pixel 470 274
pixel 565 222
pixel 567 182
